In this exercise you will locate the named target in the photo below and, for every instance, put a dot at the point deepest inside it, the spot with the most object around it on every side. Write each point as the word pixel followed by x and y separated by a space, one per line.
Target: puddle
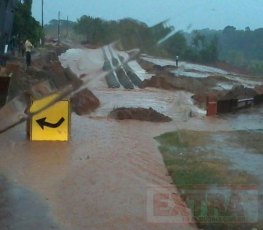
pixel 21 209
pixel 241 158
pixel 246 119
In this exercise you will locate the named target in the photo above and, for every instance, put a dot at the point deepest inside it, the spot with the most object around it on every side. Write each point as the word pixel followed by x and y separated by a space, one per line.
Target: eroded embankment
pixel 221 85
pixel 45 76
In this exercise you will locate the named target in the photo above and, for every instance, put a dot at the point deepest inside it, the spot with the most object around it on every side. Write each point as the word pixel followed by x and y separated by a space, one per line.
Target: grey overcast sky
pixel 182 14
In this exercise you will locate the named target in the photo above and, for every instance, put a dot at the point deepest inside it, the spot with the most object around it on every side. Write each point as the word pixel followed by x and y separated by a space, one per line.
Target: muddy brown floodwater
pixel 98 180
pixel 101 178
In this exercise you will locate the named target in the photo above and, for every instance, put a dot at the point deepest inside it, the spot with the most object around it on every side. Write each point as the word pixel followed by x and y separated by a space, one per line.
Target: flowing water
pixel 101 177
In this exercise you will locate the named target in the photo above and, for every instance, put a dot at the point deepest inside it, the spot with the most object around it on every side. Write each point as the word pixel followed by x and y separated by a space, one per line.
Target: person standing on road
pixel 177 60
pixel 28 47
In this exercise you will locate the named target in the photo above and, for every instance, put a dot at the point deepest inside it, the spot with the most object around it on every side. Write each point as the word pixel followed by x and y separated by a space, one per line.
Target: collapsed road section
pixel 124 75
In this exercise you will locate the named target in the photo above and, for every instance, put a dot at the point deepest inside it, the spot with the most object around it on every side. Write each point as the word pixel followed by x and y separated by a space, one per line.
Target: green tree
pixel 130 32
pixel 209 53
pixel 94 29
pixel 25 26
pixel 133 33
pixel 203 49
pixel 161 30
pixel 199 40
pixel 176 45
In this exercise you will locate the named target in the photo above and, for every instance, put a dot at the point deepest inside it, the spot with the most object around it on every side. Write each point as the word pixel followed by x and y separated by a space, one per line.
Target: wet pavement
pixel 23 209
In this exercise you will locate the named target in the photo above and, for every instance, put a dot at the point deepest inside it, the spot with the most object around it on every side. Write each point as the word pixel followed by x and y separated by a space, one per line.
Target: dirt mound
pixel 159 82
pixel 239 92
pixel 46 75
pixel 84 102
pixel 165 79
pixel 231 68
pixel 140 114
pixel 42 58
pixel 193 85
pixel 259 89
pixel 200 87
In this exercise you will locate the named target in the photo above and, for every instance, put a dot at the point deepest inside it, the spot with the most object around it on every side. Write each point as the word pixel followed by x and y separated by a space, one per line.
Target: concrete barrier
pixel 227 106
pixel 211 106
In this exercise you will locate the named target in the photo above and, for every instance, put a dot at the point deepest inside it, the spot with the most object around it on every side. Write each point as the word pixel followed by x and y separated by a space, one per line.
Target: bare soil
pixel 140 114
pixel 200 87
pixel 45 76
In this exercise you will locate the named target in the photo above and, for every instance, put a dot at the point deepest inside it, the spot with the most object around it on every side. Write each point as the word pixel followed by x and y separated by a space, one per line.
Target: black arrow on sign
pixel 42 123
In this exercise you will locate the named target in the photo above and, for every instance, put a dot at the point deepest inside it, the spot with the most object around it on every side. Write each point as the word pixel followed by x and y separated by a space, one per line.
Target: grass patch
pixel 191 163
pixel 200 169
pixel 182 139
pixel 249 140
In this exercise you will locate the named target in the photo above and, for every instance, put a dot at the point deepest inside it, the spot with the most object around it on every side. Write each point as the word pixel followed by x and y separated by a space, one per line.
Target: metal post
pixel 42 14
pixel 58 27
pixel 67 26
pixel 42 24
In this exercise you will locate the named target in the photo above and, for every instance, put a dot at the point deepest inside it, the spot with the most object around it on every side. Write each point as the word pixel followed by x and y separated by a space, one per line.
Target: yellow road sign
pixel 52 124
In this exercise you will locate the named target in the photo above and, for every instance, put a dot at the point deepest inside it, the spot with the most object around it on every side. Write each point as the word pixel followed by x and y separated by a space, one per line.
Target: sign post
pixel 52 124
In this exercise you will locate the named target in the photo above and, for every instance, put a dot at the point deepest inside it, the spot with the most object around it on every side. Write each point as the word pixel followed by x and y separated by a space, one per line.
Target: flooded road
pixel 100 179
pixel 23 209
pixel 176 105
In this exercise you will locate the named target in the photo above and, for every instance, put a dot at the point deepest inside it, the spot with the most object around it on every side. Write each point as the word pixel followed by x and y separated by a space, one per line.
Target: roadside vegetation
pixel 196 168
pixel 190 162
pixel 25 26
pixel 135 34
pixel 238 48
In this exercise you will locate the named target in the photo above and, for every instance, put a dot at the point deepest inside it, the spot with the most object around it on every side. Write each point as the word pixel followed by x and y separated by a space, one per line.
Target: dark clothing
pixel 176 61
pixel 28 58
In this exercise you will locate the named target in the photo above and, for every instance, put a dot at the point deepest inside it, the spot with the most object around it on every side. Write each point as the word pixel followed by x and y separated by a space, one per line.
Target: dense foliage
pixel 132 33
pixel 241 48
pixel 159 39
pixel 65 28
pixel 25 26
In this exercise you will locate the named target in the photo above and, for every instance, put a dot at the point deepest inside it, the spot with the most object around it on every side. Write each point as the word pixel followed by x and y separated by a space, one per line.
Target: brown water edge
pixel 97 180
pixel 221 192
pixel 22 209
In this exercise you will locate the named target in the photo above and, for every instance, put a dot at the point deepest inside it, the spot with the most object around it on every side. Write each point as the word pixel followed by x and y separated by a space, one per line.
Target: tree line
pixel 25 26
pixel 240 48
pixel 133 33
